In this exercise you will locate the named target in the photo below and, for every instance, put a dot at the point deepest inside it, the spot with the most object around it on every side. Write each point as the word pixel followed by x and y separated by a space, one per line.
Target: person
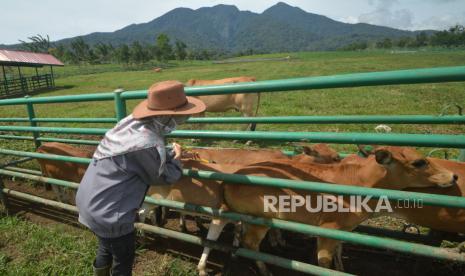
pixel 129 158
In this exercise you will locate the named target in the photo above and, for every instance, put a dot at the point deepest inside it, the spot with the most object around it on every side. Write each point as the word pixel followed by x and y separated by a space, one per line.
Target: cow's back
pixel 68 171
pixel 221 103
pixel 238 156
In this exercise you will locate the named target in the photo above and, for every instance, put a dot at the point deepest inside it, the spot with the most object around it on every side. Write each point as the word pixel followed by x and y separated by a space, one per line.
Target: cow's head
pixel 319 153
pixel 407 168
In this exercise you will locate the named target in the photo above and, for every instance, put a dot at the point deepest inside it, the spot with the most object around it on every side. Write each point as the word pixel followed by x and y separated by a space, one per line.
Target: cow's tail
pixel 253 126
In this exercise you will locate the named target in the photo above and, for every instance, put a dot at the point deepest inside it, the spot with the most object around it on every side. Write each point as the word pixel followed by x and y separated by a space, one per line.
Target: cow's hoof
pixel 202 270
pixel 411 229
pixel 325 262
pixel 263 270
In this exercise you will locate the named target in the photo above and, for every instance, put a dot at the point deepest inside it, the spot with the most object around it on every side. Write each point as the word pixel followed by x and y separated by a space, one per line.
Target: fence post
pixel 31 115
pixel 3 199
pixel 120 106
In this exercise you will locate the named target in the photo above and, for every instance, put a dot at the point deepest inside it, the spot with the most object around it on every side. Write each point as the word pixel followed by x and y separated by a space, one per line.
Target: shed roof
pixel 23 58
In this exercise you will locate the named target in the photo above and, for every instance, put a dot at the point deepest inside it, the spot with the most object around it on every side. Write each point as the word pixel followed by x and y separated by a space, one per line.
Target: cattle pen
pixel 413 76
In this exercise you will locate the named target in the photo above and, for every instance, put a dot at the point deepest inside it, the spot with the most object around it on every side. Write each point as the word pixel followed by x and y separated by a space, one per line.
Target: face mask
pixel 167 127
pixel 180 119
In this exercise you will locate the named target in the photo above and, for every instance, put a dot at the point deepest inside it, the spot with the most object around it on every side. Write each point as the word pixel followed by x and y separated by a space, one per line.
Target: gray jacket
pixel 113 188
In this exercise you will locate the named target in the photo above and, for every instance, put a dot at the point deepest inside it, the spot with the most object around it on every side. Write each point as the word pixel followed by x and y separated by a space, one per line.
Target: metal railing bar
pixel 427 199
pixel 420 140
pixel 343 119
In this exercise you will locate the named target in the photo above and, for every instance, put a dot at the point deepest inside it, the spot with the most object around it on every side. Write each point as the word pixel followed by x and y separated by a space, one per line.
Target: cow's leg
pixel 237 234
pixel 249 108
pixel 144 212
pixel 59 193
pixel 157 215
pixel 71 196
pixel 198 222
pixel 252 126
pixel 182 222
pixel 214 231
pixel 338 265
pixel 326 250
pixel 275 238
pixel 236 243
pixel 252 238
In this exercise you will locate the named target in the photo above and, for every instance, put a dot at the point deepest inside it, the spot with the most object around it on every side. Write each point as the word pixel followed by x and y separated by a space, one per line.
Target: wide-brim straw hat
pixel 167 98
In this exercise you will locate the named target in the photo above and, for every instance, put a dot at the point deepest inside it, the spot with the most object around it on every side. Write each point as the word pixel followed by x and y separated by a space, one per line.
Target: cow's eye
pixel 420 163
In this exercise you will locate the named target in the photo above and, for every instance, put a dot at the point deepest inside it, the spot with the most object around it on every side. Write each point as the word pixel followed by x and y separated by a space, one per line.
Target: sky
pixel 61 19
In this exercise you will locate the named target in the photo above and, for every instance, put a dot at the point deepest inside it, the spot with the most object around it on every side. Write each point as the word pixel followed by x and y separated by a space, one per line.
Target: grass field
pixel 29 240
pixel 401 99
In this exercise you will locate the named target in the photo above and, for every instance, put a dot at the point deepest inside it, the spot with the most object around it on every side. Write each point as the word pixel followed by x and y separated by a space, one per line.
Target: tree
pixel 138 54
pixel 103 51
pixel 164 49
pixel 404 42
pixel 81 50
pixel 70 56
pixel 123 54
pixel 58 51
pixel 204 55
pixel 38 44
pixel 356 46
pixel 92 57
pixel 453 37
pixel 457 35
pixel 180 50
pixel 421 39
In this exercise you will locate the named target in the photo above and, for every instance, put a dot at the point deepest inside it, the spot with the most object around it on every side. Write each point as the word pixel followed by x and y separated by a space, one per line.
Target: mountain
pixel 224 27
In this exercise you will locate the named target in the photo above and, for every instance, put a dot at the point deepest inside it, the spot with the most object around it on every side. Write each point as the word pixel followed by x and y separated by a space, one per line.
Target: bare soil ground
pixel 155 253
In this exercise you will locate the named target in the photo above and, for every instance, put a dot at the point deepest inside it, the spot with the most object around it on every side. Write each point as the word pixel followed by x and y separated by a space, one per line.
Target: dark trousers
pixel 116 252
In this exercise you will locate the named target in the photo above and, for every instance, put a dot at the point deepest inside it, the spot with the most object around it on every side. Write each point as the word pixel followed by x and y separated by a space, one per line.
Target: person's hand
pixel 177 151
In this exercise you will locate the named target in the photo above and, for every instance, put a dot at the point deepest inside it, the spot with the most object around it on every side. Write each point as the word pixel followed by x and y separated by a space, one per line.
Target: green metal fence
pixel 432 75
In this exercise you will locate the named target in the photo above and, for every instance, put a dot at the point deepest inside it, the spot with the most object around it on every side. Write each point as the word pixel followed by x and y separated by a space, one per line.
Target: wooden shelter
pixel 12 85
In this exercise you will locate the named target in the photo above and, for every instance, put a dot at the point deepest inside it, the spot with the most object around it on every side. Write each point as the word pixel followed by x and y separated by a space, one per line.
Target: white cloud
pixel 385 15
pixel 350 19
pixel 441 22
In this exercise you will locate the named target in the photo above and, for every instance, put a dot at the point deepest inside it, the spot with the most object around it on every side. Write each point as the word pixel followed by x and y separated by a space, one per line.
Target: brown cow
pixel 243 103
pixel 68 171
pixel 390 168
pixel 199 192
pixel 209 193
pixel 435 217
pixel 318 153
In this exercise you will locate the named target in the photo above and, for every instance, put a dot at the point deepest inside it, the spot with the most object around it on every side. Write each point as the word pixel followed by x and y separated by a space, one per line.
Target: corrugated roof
pixel 23 58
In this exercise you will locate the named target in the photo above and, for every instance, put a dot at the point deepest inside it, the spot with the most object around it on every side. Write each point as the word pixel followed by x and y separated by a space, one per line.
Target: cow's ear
pixel 383 157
